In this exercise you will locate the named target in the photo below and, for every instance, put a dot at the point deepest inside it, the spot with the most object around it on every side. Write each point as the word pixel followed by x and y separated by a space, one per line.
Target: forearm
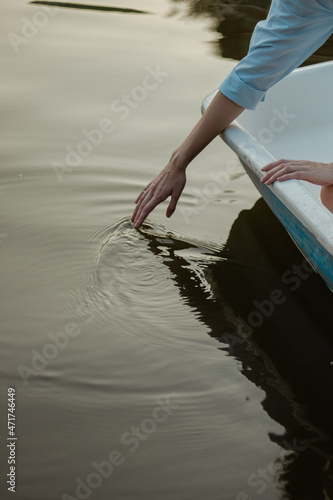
pixel 292 31
pixel 220 113
pixel 171 180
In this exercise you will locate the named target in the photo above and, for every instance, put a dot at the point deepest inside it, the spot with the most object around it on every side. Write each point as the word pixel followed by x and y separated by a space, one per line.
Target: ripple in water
pixel 133 278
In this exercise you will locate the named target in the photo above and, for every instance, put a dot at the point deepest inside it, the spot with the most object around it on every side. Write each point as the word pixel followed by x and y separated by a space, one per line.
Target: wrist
pixel 178 160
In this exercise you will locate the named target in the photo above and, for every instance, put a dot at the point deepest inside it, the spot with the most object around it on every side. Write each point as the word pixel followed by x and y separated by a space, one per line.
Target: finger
pixel 172 205
pixel 272 172
pixel 302 176
pixel 143 199
pixel 286 167
pixel 293 171
pixel 288 177
pixel 141 204
pixel 145 211
pixel 138 202
pixel 151 200
pixel 135 212
pixel 143 193
pixel 274 164
pixel 270 176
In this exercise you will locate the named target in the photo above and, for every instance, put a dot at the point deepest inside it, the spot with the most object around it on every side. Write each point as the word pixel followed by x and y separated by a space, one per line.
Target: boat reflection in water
pixel 272 312
pixel 234 21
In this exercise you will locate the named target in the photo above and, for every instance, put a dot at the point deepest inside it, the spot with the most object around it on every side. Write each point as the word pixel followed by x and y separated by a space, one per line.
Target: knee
pixel 326 196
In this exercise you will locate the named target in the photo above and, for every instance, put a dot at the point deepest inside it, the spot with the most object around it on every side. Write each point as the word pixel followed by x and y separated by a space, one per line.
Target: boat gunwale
pixel 292 193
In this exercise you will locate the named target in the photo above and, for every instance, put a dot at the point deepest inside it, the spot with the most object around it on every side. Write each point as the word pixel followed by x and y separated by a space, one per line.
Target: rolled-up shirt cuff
pixel 239 92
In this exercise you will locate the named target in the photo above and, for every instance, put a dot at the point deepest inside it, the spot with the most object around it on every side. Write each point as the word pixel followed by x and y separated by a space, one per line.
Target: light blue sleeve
pixel 292 31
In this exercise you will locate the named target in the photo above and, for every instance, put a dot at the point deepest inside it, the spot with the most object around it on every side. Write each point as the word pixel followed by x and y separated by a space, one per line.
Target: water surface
pixel 132 352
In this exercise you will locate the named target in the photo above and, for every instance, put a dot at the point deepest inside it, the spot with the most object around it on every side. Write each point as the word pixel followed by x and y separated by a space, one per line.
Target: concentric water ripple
pixel 135 279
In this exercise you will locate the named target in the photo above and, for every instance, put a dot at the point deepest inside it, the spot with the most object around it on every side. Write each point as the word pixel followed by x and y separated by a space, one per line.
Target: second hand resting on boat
pixel 292 31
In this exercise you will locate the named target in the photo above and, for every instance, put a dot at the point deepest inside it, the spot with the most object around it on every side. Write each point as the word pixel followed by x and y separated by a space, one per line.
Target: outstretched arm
pixel 291 32
pixel 171 180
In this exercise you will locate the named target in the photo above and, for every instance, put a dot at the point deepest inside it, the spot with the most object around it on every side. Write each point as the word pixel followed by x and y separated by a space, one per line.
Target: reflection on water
pixel 273 314
pixel 236 333
pixel 126 276
pixel 90 7
pixel 234 21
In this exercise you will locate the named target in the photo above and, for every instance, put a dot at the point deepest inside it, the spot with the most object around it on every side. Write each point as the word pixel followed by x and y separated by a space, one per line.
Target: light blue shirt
pixel 292 31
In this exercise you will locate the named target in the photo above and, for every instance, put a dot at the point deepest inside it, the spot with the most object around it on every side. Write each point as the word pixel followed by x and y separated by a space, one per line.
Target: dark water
pixel 191 359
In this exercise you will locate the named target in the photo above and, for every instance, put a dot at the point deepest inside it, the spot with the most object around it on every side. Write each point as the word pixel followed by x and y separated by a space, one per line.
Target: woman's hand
pixel 169 182
pixel 283 170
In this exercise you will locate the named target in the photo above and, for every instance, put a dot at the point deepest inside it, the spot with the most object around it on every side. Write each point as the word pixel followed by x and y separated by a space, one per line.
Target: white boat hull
pixel 296 122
